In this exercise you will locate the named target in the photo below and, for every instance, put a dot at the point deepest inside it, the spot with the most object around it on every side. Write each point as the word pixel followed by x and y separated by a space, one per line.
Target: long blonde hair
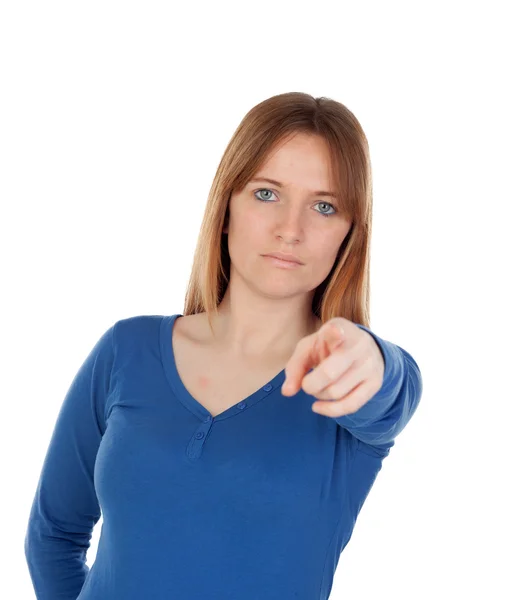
pixel 345 291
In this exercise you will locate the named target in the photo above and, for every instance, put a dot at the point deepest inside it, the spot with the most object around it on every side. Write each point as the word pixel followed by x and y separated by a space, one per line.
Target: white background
pixel 114 116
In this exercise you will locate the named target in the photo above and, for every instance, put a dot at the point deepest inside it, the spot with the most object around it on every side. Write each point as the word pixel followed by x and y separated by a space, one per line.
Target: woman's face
pixel 291 217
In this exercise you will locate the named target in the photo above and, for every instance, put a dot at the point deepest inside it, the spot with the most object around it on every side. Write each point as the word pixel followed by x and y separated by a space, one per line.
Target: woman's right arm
pixel 65 508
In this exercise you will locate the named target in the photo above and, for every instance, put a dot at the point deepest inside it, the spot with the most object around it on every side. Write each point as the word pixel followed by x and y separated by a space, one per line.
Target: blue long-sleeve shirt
pixel 256 503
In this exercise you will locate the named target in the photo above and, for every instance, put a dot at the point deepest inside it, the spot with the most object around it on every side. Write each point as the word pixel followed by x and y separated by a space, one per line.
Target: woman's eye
pixel 265 190
pixel 328 214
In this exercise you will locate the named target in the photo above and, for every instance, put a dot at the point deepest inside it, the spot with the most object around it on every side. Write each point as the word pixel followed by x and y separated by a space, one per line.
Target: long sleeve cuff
pixel 386 414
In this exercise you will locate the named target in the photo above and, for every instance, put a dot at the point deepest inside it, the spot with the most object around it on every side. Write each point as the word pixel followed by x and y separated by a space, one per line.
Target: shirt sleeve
pixel 65 508
pixel 378 422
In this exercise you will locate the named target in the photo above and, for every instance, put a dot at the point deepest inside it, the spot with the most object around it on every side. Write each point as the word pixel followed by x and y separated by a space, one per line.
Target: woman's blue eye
pixel 321 213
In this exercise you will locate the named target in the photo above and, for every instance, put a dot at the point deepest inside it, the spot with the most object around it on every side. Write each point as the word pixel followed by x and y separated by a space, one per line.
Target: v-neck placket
pixel 185 397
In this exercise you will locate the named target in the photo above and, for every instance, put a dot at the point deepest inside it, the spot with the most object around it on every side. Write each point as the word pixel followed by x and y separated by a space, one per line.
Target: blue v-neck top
pixel 256 503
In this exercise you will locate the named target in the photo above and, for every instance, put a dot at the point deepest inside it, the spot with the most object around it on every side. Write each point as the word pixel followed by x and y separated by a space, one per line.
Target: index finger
pixel 307 355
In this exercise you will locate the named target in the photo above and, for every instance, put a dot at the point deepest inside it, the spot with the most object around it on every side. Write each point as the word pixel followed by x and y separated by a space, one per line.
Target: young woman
pixel 214 480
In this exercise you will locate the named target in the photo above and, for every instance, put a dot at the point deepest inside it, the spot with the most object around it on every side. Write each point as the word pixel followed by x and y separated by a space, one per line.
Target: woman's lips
pixel 278 262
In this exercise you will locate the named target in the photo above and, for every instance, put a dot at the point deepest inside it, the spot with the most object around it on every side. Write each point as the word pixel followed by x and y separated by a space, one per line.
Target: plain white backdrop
pixel 114 116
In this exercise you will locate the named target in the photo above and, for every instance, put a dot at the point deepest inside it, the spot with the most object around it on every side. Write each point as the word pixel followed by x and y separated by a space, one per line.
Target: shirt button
pixel 268 387
pixel 242 405
pixel 208 419
pixel 199 435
